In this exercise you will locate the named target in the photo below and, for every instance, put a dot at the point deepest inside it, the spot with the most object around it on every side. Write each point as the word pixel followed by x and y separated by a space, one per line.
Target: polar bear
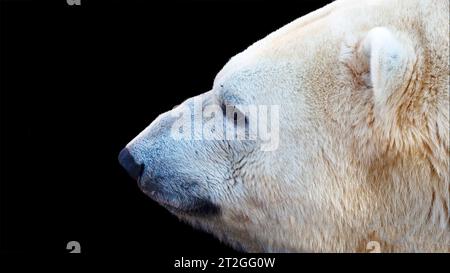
pixel 354 102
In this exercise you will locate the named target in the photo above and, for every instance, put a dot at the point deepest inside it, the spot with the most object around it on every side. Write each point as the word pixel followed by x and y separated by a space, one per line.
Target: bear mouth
pixel 182 205
pixel 199 209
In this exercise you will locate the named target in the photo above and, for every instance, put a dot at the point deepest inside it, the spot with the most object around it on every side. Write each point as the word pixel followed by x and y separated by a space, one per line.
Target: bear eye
pixel 224 109
pixel 236 114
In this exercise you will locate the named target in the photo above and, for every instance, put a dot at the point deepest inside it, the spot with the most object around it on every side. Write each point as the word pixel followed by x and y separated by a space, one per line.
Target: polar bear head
pixel 328 134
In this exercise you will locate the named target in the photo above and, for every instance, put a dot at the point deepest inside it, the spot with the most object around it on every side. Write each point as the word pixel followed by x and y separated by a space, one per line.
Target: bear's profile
pixel 328 135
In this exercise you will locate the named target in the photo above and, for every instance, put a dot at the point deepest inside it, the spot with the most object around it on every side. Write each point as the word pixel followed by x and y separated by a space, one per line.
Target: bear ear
pixel 389 60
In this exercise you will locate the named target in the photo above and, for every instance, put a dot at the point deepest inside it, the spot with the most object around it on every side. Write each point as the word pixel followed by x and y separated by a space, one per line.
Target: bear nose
pixel 129 164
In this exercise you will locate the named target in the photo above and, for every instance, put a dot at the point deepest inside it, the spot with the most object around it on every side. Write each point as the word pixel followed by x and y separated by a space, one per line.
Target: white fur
pixel 364 146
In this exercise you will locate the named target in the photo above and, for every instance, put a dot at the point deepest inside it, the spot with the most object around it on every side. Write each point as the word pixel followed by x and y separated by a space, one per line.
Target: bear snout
pixel 165 185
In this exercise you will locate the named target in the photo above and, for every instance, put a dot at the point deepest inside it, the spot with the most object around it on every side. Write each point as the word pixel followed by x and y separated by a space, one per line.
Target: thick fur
pixel 364 135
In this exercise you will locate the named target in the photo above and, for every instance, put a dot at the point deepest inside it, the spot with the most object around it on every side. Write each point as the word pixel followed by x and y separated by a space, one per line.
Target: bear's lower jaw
pixel 192 206
pixel 200 208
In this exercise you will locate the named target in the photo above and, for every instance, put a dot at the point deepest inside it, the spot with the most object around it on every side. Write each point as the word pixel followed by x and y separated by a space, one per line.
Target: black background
pixel 77 84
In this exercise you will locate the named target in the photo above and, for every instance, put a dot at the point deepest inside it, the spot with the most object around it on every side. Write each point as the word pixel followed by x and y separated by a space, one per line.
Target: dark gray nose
pixel 129 164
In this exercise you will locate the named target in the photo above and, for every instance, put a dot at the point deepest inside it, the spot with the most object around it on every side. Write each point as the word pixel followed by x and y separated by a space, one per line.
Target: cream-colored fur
pixel 364 135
